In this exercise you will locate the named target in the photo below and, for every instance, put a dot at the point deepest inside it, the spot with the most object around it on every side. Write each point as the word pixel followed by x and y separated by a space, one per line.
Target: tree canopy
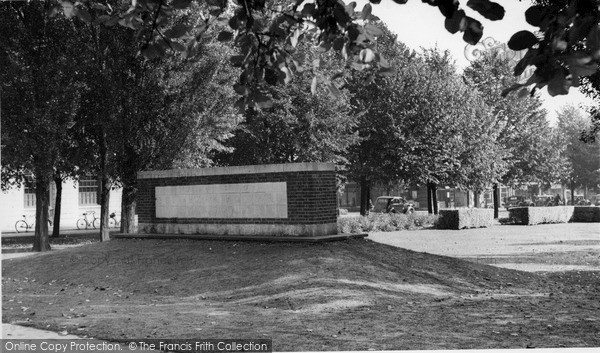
pixel 266 34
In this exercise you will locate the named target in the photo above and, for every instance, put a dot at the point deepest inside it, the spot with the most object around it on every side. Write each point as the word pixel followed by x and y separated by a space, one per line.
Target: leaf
pixel 53 11
pixel 581 64
pixel 83 15
pixel 524 62
pixel 112 21
pixel 558 85
pixel 373 30
pixel 366 55
pixel 338 44
pixel 386 72
pixel 177 31
pixel 178 46
pixel 98 6
pixel 68 9
pixel 376 1
pixel 224 36
pixel 447 7
pixel 522 40
pixel 294 37
pixel 241 89
pixel 522 93
pixel 456 22
pixel 262 100
pixel 366 11
pixel 581 27
pixel 473 32
pixel 333 90
pixel 534 15
pixel 316 63
pixel 181 4
pixel 102 19
pixel 237 60
pixel 152 51
pixel 313 85
pixel 488 9
pixel 287 74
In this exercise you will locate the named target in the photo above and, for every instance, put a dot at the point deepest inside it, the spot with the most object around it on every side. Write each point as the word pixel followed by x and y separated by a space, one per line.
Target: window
pixel 88 190
pixel 29 196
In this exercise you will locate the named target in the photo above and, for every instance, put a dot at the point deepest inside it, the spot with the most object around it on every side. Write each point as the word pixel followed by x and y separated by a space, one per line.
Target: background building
pixel 77 198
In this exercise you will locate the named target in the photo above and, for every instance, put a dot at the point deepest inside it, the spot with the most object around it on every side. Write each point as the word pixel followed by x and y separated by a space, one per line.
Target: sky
pixel 420 25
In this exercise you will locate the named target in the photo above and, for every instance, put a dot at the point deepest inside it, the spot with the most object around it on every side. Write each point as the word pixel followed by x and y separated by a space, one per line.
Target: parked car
pixel 393 204
pixel 595 200
pixel 515 201
pixel 545 200
pixel 580 201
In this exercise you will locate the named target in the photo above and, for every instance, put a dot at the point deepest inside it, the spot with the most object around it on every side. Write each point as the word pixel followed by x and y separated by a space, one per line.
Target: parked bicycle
pixel 85 222
pixel 114 221
pixel 23 225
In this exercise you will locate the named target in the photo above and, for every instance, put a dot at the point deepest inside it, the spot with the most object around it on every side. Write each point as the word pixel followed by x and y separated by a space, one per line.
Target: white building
pixel 77 198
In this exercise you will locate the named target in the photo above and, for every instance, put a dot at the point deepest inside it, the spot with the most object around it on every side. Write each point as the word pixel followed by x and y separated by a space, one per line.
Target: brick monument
pixel 297 200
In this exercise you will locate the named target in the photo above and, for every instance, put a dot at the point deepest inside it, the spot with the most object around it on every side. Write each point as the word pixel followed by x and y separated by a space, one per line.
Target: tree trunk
pixel 573 194
pixel 41 241
pixel 496 196
pixel 104 212
pixel 57 206
pixel 476 199
pixel 434 198
pixel 429 199
pixel 104 186
pixel 365 196
pixel 128 205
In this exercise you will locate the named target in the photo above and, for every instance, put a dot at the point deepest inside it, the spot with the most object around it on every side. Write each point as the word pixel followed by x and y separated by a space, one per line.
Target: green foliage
pixel 583 165
pixel 520 125
pixel 268 32
pixel 384 222
pixel 586 214
pixel 465 218
pixel 297 127
pixel 567 49
pixel 540 215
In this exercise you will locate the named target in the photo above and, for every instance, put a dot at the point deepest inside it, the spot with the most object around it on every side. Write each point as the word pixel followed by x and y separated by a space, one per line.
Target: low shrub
pixel 586 214
pixel 540 215
pixel 384 222
pixel 465 218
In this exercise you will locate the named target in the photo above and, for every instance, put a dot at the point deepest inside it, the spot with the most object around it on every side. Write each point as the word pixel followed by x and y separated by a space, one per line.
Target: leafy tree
pixel 267 33
pixel 583 168
pixel 297 127
pixel 520 123
pixel 40 96
pixel 160 114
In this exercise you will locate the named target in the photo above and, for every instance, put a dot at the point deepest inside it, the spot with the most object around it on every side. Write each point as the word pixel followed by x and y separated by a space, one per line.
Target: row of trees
pixel 79 100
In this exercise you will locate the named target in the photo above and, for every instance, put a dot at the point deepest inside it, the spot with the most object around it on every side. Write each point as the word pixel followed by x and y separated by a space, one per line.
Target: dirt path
pixel 548 247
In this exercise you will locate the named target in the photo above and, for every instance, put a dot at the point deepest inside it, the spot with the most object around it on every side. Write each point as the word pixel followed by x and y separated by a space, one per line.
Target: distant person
pixel 557 200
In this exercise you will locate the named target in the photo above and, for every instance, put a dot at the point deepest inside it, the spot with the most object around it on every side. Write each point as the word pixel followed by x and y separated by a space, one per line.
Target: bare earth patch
pixel 348 295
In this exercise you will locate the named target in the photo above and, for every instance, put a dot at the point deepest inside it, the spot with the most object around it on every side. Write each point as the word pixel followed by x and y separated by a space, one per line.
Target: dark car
pixel 518 201
pixel 393 204
pixel 545 200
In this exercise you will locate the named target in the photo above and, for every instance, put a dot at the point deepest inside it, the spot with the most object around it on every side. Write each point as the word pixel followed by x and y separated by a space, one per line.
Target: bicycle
pixel 84 223
pixel 113 221
pixel 23 225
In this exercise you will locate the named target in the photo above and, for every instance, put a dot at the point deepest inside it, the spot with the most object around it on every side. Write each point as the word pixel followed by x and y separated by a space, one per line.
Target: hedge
pixel 384 222
pixel 556 214
pixel 465 218
pixel 586 214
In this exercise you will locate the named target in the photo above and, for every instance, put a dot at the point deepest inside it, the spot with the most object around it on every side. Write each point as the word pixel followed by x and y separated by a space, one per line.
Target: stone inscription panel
pixel 243 200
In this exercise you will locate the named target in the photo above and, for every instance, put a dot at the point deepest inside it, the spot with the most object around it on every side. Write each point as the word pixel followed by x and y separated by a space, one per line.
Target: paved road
pixel 499 241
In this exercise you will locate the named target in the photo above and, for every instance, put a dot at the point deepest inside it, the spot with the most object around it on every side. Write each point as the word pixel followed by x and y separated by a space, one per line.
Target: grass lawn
pixel 346 295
